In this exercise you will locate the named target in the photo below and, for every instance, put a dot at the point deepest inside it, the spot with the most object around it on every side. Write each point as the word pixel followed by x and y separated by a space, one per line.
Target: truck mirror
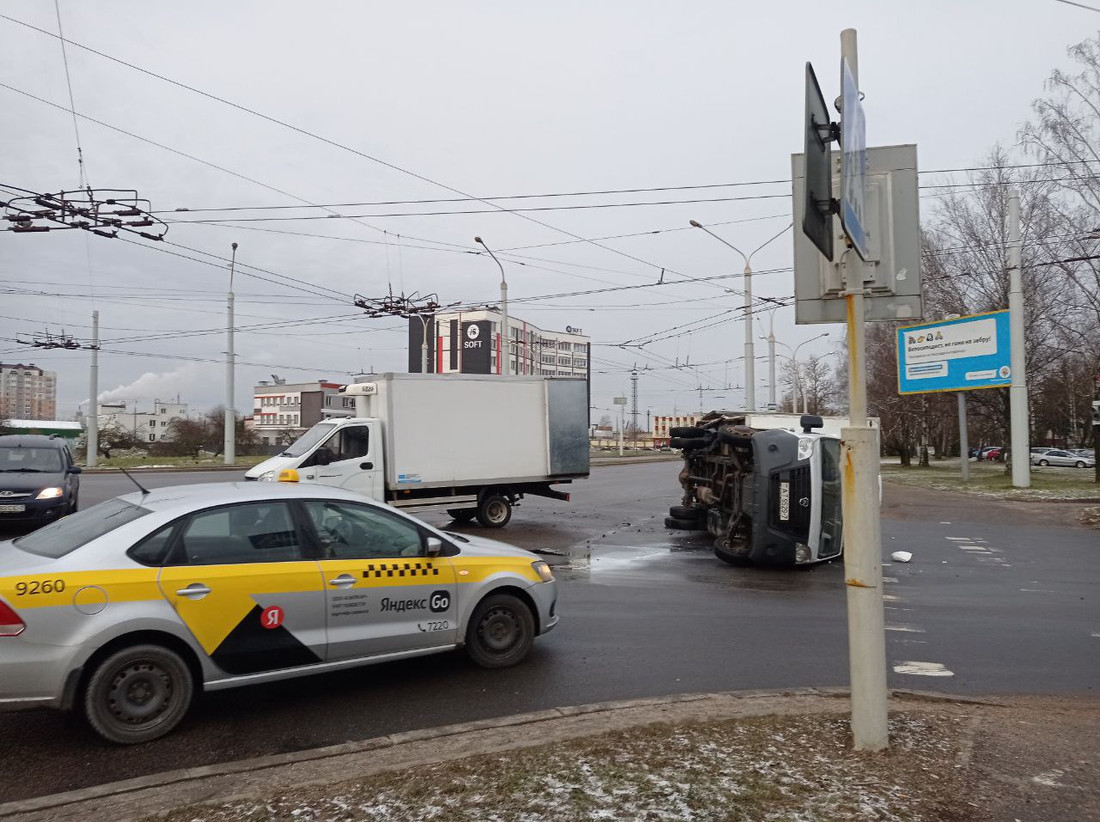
pixel 322 456
pixel 809 422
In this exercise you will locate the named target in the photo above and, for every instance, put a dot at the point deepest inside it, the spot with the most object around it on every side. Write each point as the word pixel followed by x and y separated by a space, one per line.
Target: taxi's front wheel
pixel 501 631
pixel 138 694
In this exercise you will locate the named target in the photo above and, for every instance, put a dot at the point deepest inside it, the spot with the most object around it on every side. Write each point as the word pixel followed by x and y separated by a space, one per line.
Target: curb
pixel 258 777
pixel 164 469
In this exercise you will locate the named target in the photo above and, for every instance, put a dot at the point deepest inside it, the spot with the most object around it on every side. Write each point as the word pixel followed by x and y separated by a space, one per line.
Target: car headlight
pixel 805 447
pixel 50 493
pixel 542 568
pixel 268 476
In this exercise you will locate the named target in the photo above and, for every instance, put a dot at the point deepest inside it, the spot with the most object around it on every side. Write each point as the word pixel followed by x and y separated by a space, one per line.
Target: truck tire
pixel 689 444
pixel 501 631
pixel 138 694
pixel 686 431
pixel 677 524
pixel 687 512
pixel 462 514
pixel 730 559
pixel 494 511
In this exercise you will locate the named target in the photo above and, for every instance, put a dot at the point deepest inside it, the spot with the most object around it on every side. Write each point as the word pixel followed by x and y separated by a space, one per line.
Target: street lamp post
pixel 506 334
pixel 797 370
pixel 750 368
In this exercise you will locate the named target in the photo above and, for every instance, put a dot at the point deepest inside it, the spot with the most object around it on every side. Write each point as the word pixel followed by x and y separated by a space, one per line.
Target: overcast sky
pixel 419 100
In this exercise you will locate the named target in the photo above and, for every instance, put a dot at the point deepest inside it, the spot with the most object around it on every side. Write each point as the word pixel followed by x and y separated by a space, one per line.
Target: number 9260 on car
pixel 125 611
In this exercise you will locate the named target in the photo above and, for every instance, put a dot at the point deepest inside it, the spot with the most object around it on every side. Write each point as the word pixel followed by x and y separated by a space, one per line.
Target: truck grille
pixel 789 489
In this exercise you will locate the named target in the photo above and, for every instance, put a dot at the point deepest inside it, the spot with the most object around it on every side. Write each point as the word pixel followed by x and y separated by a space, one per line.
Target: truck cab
pixel 345 453
pixel 770 497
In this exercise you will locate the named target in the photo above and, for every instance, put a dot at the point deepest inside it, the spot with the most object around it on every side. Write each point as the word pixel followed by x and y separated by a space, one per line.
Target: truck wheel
pixel 686 431
pixel 138 694
pixel 501 631
pixel 687 512
pixel 730 559
pixel 677 524
pixel 494 511
pixel 689 444
pixel 462 514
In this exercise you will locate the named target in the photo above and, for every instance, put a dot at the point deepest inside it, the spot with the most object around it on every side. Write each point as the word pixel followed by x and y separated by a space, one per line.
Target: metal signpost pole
pixel 862 536
pixel 964 446
pixel 229 446
pixel 92 446
pixel 1017 393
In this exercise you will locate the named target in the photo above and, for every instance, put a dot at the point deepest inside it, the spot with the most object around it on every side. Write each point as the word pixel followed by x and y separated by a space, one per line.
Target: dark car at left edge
pixel 38 479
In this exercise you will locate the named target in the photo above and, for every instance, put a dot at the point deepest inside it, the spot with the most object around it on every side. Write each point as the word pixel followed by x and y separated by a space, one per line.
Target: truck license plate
pixel 784 501
pixel 12 509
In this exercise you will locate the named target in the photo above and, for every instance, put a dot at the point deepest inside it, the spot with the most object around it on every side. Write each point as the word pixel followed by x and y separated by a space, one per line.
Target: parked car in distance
pixel 38 479
pixel 1058 456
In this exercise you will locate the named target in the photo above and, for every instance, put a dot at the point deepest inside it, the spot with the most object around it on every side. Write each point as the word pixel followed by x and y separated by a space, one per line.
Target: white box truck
pixel 472 445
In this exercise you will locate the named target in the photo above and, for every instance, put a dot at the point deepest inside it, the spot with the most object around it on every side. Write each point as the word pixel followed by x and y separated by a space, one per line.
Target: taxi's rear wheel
pixel 138 694
pixel 501 631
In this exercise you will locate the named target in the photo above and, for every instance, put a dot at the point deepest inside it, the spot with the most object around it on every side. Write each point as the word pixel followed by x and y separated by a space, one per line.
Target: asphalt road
pixel 997 599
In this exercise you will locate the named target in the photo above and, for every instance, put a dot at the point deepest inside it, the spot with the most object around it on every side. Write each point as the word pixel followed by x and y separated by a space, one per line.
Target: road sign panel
pixel 853 184
pixel 817 214
pixel 962 354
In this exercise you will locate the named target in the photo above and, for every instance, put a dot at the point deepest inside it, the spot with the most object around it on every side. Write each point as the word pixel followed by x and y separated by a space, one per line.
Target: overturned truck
pixel 767 496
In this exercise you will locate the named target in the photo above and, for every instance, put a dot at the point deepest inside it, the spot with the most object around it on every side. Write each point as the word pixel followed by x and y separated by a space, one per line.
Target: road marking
pixel 1095 634
pixel 959 539
pixel 911 629
pixel 889 579
pixel 1037 590
pixel 944 523
pixel 892 598
pixel 922 669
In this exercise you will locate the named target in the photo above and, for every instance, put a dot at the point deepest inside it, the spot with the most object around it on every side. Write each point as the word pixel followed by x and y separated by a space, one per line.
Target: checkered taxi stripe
pixel 399 569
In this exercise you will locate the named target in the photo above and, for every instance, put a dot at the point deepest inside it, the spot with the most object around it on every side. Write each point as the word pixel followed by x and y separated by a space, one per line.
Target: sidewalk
pixel 730 756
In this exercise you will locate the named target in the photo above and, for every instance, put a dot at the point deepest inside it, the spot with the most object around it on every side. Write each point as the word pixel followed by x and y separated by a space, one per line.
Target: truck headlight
pixel 542 568
pixel 268 476
pixel 805 447
pixel 50 493
pixel 801 553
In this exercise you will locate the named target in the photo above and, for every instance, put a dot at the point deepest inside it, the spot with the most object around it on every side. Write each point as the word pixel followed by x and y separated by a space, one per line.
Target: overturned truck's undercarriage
pixel 718 457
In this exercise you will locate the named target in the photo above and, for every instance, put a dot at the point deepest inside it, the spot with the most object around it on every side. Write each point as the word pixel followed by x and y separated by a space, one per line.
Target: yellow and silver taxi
pixel 127 609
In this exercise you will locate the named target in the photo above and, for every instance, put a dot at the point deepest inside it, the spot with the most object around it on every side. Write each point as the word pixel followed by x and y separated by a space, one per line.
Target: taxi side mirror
pixel 433 545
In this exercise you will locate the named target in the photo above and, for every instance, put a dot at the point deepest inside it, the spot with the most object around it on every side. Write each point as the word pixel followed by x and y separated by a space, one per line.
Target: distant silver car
pixel 126 609
pixel 1057 456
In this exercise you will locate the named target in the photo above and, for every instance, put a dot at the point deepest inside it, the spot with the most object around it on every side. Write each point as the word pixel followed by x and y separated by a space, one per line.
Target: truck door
pixel 350 458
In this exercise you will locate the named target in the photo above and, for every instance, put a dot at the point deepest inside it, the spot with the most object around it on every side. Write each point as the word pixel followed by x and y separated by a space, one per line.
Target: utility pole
pixel 860 490
pixel 92 447
pixel 1017 392
pixel 634 404
pixel 964 446
pixel 771 363
pixel 505 332
pixel 230 445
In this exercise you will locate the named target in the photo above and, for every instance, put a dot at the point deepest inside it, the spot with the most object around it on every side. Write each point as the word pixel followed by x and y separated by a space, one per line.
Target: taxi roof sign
pixel 288 475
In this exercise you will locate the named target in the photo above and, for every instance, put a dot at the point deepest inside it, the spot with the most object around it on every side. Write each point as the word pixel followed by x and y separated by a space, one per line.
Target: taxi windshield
pixel 67 534
pixel 310 438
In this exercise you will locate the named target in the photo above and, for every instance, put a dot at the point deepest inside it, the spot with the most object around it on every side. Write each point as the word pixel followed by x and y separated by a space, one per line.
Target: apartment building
pixel 27 392
pixel 282 411
pixel 151 425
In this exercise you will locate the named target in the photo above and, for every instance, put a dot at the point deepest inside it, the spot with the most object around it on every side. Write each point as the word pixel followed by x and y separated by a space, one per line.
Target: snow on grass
pixel 794 769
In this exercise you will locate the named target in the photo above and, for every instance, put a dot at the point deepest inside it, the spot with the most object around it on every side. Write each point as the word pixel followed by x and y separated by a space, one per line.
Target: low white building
pixel 148 426
pixel 282 411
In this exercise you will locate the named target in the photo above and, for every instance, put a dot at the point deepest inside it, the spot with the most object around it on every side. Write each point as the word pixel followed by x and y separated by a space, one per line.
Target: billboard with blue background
pixel 955 355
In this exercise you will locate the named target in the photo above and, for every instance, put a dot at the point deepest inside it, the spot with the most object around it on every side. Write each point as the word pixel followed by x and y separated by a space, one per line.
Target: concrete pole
pixel 92 447
pixel 750 358
pixel 229 447
pixel 1017 392
pixel 771 364
pixel 862 534
pixel 505 332
pixel 423 345
pixel 964 445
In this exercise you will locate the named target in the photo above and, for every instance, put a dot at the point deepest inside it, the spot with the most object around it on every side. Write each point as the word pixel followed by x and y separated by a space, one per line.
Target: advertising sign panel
pixel 476 342
pixel 955 355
